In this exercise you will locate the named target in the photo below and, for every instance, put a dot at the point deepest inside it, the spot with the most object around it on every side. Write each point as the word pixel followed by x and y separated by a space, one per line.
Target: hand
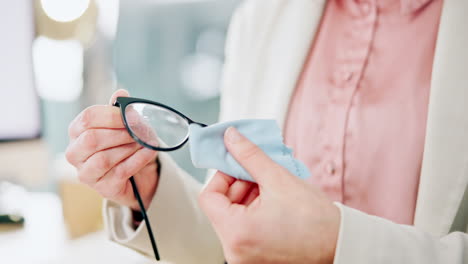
pixel 106 156
pixel 281 220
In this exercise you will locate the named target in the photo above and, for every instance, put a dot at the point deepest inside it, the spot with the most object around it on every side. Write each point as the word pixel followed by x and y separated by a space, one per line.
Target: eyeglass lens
pixel 155 125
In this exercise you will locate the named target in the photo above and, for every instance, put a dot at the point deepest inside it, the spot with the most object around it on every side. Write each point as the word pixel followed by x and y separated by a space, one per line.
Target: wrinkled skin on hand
pixel 281 220
pixel 106 156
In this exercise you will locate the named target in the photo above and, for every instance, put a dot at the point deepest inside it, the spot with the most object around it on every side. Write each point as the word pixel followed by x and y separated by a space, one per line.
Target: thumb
pixel 259 165
pixel 118 93
pixel 213 199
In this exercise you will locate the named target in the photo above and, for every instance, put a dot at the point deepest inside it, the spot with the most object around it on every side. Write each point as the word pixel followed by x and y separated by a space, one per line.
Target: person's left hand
pixel 281 220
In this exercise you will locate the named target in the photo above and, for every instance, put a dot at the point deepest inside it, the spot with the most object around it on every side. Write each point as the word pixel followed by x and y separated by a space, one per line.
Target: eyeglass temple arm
pixel 197 123
pixel 145 218
pixel 143 211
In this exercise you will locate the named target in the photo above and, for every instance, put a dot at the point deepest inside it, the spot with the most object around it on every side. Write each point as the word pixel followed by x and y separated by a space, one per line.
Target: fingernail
pixel 232 135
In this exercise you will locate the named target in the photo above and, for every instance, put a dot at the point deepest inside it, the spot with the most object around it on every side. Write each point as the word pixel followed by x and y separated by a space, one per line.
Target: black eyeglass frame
pixel 122 103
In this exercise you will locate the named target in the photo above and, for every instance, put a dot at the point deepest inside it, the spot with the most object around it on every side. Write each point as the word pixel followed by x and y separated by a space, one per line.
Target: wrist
pixel 147 191
pixel 137 218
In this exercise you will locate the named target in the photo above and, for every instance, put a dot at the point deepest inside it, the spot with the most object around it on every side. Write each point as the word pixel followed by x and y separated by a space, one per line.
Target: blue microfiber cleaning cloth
pixel 207 147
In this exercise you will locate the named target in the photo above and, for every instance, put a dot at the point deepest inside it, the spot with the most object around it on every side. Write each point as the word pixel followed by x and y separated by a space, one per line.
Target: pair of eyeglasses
pixel 155 126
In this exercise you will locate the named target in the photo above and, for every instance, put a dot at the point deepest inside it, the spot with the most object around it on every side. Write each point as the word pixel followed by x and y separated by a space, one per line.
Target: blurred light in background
pixel 65 11
pixel 58 68
pixel 65 55
pixel 200 76
pixel 19 110
pixel 211 41
pixel 201 70
pixel 108 17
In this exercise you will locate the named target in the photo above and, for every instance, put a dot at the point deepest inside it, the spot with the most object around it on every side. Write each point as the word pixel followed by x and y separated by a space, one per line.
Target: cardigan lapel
pixel 282 54
pixel 444 174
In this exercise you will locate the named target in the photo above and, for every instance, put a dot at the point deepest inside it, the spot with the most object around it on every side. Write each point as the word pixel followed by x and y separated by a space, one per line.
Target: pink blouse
pixel 358 116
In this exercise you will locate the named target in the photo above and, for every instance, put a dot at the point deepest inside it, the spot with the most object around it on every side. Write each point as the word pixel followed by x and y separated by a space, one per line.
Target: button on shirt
pixel 358 115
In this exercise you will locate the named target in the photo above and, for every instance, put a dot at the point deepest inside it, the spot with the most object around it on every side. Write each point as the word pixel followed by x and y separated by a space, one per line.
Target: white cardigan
pixel 267 44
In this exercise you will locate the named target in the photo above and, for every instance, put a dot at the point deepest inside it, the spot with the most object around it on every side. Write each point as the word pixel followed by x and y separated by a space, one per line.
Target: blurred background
pixel 58 57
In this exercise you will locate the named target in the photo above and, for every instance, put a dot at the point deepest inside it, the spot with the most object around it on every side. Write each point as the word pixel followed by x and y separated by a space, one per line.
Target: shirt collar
pixel 405 6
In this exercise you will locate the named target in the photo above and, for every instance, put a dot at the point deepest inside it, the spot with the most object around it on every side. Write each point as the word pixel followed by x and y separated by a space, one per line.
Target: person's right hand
pixel 106 156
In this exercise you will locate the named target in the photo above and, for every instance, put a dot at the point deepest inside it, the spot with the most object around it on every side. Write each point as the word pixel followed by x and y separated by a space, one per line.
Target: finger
pixel 220 183
pixel 103 161
pixel 254 192
pixel 264 170
pixel 213 199
pixel 118 93
pixel 95 117
pixel 238 190
pixel 115 183
pixel 111 188
pixel 94 140
pixel 132 165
